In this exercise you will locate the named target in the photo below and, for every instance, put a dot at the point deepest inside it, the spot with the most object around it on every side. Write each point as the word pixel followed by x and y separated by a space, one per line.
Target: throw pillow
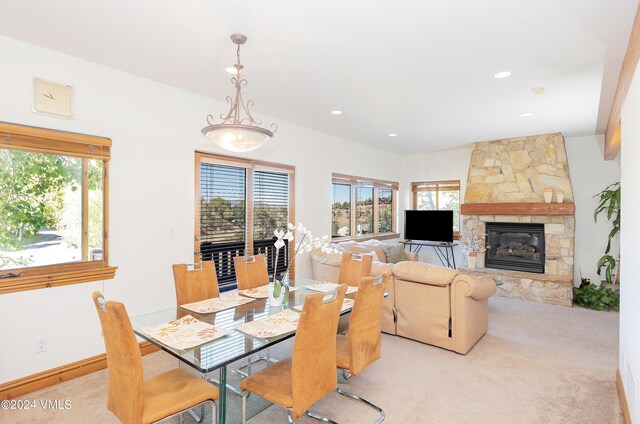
pixel 394 252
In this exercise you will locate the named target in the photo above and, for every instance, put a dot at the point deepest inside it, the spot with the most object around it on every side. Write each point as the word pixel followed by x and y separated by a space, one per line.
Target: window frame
pixel 249 165
pixel 377 184
pixel 48 141
pixel 434 186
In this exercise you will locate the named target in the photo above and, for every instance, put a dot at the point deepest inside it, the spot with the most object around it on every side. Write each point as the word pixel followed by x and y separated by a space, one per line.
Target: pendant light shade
pixel 237 138
pixel 236 133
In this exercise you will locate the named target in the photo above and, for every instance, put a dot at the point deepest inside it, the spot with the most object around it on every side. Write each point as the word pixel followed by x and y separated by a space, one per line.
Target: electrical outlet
pixel 41 345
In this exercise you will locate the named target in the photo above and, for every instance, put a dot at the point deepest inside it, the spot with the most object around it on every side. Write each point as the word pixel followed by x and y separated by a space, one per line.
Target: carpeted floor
pixel 537 364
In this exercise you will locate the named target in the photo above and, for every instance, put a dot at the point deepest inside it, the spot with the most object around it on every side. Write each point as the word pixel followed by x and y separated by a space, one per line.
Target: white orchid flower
pixel 281 237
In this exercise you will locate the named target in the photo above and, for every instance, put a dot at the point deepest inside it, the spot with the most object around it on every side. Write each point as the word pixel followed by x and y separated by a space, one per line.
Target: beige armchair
pixel 441 306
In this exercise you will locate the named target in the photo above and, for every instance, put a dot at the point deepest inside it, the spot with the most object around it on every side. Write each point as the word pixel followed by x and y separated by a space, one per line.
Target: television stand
pixel 444 250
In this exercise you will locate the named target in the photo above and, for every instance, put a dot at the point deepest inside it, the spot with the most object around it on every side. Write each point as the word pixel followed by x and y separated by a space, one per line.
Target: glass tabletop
pixel 235 345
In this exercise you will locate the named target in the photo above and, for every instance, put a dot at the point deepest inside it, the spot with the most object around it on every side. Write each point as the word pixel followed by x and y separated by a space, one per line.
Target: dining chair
pixel 195 284
pixel 251 271
pixel 361 346
pixel 131 399
pixel 354 267
pixel 298 382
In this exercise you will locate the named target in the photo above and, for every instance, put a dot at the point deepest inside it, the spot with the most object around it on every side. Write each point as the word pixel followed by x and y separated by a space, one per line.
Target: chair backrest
pixel 365 323
pixel 314 350
pixel 124 361
pixel 354 267
pixel 197 284
pixel 251 271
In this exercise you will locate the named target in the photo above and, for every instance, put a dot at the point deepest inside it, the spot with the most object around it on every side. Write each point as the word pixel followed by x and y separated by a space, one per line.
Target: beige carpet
pixel 537 364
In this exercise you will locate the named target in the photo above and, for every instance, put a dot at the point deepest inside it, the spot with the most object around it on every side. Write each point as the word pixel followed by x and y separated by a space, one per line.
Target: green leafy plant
pixel 596 297
pixel 609 203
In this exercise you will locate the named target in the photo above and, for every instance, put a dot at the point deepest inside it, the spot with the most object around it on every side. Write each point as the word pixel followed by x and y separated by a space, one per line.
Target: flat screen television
pixel 428 225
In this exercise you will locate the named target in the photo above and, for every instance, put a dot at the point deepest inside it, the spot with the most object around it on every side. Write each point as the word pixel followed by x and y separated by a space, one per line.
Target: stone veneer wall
pixel 517 171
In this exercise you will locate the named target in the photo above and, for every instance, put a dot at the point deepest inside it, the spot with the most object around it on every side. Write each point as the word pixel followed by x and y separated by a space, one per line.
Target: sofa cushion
pixel 394 253
pixel 377 246
pixel 421 272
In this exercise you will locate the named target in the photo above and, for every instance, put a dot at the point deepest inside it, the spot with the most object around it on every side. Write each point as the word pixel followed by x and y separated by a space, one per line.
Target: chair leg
pixel 195 416
pixel 319 418
pixel 244 409
pixel 366 402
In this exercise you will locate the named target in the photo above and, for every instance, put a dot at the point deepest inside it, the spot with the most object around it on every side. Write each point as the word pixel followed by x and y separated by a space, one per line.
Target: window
pixel 363 207
pixel 239 203
pixel 53 208
pixel 438 195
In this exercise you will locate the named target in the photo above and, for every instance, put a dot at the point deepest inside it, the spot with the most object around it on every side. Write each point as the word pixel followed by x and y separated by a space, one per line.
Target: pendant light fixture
pixel 236 133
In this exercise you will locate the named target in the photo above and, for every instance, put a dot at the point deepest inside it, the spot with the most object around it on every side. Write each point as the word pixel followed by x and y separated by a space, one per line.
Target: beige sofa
pixel 326 267
pixel 441 306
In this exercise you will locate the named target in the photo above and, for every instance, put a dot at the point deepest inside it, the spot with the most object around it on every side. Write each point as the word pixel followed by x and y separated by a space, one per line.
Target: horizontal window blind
pixel 270 212
pixel 222 217
pixel 222 203
pixel 435 186
pixel 270 203
pixel 19 137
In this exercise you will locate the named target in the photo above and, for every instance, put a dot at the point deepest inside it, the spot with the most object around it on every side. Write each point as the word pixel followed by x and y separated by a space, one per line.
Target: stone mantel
pixel 517 209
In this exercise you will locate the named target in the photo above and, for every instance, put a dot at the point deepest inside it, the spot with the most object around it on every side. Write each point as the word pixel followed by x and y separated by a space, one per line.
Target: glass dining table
pixel 235 345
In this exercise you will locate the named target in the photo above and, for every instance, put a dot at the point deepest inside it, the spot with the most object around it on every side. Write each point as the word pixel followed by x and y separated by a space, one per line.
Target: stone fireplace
pixel 532 242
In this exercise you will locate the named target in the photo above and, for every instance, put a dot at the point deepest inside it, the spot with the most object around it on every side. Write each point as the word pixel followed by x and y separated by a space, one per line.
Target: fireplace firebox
pixel 515 246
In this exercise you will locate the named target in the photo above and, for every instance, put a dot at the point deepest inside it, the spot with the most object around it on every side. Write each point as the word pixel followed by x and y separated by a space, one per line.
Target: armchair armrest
pixel 479 288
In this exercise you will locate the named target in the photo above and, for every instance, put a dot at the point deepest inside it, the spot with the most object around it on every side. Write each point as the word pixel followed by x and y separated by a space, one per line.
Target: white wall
pixel 630 250
pixel 590 173
pixel 155 130
pixel 446 165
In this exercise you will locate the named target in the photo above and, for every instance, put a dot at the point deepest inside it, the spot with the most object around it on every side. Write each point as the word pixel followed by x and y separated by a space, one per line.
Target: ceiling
pixel 421 69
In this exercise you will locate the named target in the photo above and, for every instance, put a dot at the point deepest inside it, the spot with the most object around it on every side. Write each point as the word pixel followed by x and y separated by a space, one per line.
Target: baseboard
pixel 623 398
pixel 22 386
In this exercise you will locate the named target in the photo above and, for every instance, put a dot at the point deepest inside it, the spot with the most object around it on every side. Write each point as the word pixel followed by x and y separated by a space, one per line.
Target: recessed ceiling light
pixel 393 135
pixel 336 112
pixel 537 90
pixel 503 74
pixel 231 70
pixel 525 114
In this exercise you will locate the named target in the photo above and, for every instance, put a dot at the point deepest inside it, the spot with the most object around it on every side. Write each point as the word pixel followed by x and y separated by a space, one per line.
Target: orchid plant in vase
pixel 306 243
pixel 472 244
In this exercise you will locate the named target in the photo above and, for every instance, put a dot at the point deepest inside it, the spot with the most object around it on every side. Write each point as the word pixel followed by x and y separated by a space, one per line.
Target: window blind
pixel 270 212
pixel 222 217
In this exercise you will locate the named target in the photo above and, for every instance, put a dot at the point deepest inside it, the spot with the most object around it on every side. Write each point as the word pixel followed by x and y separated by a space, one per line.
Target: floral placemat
pixel 346 304
pixel 261 292
pixel 276 325
pixel 325 286
pixel 217 304
pixel 184 333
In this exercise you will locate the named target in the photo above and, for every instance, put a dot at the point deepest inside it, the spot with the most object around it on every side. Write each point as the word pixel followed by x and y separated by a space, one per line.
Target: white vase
pixel 548 195
pixel 559 196
pixel 473 259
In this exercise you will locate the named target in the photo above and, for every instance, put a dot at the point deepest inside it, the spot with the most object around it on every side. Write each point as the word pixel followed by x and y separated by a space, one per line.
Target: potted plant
pixel 306 244
pixel 472 244
pixel 609 203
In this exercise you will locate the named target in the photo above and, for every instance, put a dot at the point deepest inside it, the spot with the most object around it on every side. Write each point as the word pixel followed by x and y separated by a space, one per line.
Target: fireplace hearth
pixel 515 246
